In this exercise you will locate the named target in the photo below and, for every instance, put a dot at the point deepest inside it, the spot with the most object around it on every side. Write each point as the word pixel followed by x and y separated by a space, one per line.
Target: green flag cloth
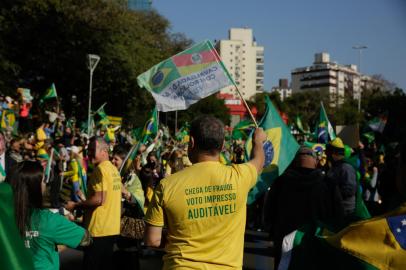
pixel 50 93
pixel 136 133
pixel 150 129
pixel 280 149
pixel 183 132
pixel 104 120
pixel 325 131
pixel 13 253
pixel 370 136
pixel 242 130
pixel 299 125
pixel 151 126
pixel 378 124
pixel 375 244
pixel 186 77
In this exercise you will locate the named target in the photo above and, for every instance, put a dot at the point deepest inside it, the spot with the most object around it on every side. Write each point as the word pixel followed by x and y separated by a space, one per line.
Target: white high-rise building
pixel 338 81
pixel 244 60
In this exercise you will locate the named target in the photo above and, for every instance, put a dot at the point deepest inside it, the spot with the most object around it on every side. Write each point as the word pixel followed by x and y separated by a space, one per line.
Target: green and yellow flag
pixel 50 93
pixel 325 131
pixel 242 129
pixel 280 149
pixel 375 244
pixel 104 120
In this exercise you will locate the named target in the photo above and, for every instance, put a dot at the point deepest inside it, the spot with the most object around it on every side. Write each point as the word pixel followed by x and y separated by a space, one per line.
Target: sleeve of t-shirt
pixel 248 173
pixel 63 231
pixel 96 181
pixel 155 213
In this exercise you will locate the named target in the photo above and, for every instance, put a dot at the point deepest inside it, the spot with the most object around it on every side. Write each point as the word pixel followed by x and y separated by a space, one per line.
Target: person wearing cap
pixel 298 197
pixel 342 175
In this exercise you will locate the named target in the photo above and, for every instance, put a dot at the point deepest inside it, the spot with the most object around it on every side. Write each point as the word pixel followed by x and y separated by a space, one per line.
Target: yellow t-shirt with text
pixel 105 219
pixel 204 208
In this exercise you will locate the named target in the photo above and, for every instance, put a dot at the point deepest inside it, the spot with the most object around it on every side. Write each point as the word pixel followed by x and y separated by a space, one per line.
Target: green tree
pixel 210 105
pixel 45 41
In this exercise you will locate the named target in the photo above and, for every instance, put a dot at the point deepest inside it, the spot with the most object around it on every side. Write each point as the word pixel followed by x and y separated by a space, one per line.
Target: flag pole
pixel 235 85
pixel 246 105
pixel 48 167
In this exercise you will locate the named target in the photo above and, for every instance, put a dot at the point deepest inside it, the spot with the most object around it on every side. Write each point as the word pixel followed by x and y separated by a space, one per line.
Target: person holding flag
pixel 204 206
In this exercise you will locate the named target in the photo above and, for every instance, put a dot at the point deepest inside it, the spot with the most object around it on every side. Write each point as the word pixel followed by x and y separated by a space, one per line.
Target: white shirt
pixel 3 165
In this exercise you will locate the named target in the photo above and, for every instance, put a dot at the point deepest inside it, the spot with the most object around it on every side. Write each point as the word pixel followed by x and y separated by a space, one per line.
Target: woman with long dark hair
pixel 41 229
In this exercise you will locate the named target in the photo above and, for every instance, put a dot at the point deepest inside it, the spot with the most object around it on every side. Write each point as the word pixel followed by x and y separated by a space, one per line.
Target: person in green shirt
pixel 41 229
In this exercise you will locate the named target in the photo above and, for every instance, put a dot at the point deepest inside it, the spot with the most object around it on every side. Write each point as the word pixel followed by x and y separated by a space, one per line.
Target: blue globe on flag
pixel 157 78
pixel 269 153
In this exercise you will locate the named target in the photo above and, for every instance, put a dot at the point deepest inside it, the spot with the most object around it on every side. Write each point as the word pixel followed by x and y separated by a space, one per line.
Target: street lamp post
pixel 93 60
pixel 359 48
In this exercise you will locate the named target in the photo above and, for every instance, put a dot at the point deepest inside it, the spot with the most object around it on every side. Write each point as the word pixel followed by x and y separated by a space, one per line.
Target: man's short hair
pixel 101 143
pixel 208 133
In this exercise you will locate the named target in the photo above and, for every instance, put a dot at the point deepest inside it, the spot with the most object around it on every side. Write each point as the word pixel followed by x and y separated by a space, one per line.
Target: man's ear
pixel 191 142
pixel 223 145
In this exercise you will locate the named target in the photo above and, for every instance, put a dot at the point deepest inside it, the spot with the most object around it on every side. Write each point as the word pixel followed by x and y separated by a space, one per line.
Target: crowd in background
pixel 53 157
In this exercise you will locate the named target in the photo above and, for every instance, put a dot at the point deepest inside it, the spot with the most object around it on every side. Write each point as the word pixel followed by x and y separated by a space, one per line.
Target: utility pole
pixel 359 48
pixel 93 60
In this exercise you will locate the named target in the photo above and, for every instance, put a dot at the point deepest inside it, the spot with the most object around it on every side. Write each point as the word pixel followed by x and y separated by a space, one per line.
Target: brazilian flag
pixel 280 149
pixel 49 93
pixel 150 129
pixel 151 126
pixel 374 244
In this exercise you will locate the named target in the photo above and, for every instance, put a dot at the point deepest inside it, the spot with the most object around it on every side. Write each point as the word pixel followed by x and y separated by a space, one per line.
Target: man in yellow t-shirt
pixel 102 207
pixel 204 206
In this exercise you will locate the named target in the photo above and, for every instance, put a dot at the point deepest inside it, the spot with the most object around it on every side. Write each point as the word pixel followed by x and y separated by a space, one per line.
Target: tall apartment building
pixel 338 81
pixel 244 60
pixel 283 89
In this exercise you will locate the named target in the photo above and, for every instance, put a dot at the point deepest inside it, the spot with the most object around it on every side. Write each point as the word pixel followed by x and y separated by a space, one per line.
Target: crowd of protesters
pixel 70 189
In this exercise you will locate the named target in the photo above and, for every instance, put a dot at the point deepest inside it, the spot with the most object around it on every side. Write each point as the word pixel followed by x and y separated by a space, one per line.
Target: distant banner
pixel 115 120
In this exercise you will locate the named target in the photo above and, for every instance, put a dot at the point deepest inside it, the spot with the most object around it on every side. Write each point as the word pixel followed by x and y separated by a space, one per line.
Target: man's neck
pixel 202 157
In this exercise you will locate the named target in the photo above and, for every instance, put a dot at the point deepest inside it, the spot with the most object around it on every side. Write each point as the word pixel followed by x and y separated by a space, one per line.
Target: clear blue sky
pixel 291 31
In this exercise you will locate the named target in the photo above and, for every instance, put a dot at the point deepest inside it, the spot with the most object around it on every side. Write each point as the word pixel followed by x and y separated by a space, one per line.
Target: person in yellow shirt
pixel 204 206
pixel 102 207
pixel 77 175
pixel 40 137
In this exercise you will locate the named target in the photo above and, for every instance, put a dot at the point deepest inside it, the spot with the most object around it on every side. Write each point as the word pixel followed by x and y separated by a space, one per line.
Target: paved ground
pixel 257 255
